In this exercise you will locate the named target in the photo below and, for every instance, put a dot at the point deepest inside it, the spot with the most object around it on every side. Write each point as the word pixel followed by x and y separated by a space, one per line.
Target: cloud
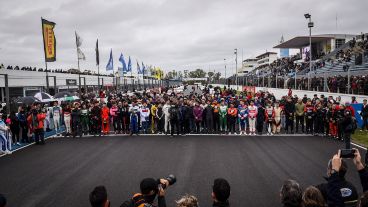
pixel 173 34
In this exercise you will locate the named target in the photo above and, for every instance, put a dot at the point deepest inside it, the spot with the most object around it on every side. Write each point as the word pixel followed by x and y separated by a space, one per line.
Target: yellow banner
pixel 49 40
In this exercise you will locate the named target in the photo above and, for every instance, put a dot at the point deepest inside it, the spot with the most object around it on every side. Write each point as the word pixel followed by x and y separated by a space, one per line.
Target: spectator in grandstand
pixel 220 193
pixel 187 201
pixel 2 200
pixel 291 194
pixel 312 197
pixel 98 197
pixel 150 188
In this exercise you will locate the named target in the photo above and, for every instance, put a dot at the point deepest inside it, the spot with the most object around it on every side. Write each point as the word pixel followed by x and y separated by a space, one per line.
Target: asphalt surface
pixel 65 170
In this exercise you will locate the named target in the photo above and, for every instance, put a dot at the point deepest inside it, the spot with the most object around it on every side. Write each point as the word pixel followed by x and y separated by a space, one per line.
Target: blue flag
pixel 139 68
pixel 124 68
pixel 110 64
pixel 129 65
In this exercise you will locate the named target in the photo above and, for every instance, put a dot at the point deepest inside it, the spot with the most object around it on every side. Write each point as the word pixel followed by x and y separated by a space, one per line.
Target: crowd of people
pixel 281 72
pixel 167 111
pixel 336 192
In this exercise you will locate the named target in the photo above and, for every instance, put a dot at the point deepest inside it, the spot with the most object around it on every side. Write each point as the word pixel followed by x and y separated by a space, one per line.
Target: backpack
pixel 136 201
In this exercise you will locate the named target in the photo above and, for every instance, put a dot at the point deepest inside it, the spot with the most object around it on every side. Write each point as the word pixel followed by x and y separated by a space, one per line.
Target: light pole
pixel 236 67
pixel 310 25
pixel 225 70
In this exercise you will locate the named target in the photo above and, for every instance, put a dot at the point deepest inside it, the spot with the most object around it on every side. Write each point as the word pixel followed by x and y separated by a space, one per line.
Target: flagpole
pixel 47 79
pixel 144 85
pixel 131 78
pixel 79 77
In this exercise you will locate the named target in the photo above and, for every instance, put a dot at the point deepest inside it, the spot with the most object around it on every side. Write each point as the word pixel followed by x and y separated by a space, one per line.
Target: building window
pixel 339 42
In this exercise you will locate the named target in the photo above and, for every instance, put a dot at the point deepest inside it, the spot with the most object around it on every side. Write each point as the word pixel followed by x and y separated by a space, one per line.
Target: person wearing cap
pixel 4 136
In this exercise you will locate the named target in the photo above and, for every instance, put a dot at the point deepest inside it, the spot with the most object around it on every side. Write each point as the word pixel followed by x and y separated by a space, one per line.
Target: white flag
pixel 78 40
pixel 81 55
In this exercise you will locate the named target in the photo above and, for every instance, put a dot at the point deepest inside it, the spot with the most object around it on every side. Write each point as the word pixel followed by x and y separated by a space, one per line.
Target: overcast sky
pixel 172 34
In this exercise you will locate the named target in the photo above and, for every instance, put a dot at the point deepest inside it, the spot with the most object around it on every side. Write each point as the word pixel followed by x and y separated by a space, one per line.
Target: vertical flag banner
pixel 97 54
pixel 139 68
pixel 124 69
pixel 129 65
pixel 143 69
pixel 110 64
pixel 49 40
pixel 78 42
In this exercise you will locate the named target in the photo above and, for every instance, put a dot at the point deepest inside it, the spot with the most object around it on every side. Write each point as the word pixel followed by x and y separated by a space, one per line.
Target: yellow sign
pixel 49 40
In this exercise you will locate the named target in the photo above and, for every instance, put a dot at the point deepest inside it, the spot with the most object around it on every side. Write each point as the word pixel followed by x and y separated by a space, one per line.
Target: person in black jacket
pixel 150 188
pixel 76 121
pixel 338 189
pixel 220 193
pixel 289 115
pixel 335 184
pixel 174 118
pixel 98 197
pixel 260 119
pixel 208 111
pixel 96 119
pixel 364 114
pixel 347 123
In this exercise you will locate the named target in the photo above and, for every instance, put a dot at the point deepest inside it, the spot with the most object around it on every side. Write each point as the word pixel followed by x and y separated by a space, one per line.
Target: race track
pixel 65 170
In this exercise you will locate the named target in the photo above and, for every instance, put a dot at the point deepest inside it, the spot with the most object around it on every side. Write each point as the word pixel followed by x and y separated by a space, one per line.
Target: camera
pixel 171 179
pixel 347 153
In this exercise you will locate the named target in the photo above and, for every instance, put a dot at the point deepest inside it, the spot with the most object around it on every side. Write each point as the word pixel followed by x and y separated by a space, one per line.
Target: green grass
pixel 360 137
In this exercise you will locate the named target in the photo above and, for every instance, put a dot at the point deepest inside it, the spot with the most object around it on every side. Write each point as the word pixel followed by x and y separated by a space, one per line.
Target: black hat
pixel 148 184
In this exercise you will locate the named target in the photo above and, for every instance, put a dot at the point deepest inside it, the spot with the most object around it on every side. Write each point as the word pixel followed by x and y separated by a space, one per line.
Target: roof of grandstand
pixel 302 41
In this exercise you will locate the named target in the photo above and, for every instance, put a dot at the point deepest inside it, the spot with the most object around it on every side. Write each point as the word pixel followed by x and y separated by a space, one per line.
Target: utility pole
pixel 236 67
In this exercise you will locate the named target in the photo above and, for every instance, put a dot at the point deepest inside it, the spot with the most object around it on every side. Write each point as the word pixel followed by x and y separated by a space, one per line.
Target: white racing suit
pixel 167 117
pixel 5 138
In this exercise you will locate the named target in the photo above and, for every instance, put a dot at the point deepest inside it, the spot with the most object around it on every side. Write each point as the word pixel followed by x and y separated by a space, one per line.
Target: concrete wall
pixel 278 93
